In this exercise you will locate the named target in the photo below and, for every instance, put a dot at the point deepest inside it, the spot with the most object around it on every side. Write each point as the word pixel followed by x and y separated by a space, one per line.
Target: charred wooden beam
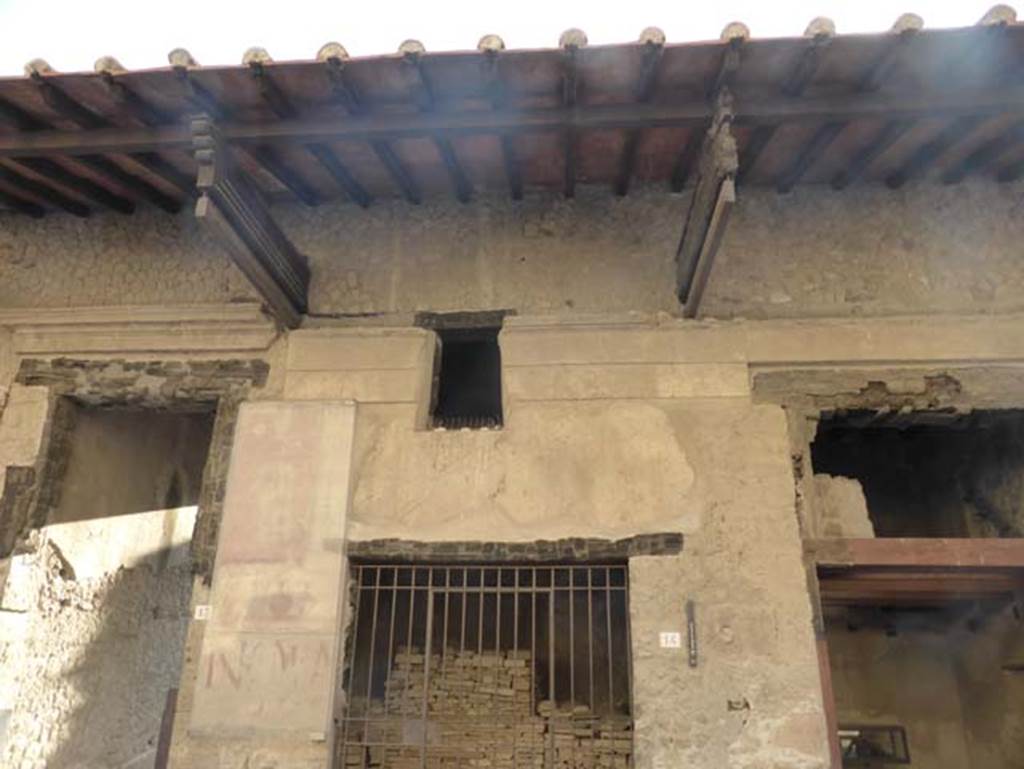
pixel 490 46
pixel 412 55
pixel 986 154
pixel 652 40
pixel 20 206
pixel 733 36
pixel 42 192
pixel 570 41
pixel 234 210
pixel 819 34
pixel 710 207
pixel 207 104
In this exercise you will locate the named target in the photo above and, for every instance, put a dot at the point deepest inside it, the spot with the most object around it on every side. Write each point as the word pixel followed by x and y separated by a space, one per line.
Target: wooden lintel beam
pixel 710 207
pixel 751 108
pixel 931 552
pixel 236 213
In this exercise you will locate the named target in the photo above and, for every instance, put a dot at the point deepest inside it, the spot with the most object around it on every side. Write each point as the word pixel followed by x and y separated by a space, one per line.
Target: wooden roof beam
pixel 710 207
pixel 733 37
pixel 888 552
pixel 235 212
pixel 54 173
pixel 21 206
pixel 902 30
pixel 412 55
pixel 751 108
pixel 570 41
pixel 652 40
pixel 281 105
pixel 42 192
pixel 205 103
pixel 67 107
pixel 490 46
pixel 993 22
pixel 986 154
pixel 819 34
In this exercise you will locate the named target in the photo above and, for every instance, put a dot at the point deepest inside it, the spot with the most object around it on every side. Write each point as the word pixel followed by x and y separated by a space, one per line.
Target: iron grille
pixel 488 667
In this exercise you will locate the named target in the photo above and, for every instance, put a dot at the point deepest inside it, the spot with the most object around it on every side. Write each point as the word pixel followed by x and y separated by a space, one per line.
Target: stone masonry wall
pixel 86 663
pixel 814 252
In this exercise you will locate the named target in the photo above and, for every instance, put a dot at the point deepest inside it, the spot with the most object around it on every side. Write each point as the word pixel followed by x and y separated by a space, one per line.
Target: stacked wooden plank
pixel 478 712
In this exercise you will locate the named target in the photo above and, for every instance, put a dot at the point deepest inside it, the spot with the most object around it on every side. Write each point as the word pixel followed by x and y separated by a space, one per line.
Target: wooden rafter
pixel 283 108
pixel 653 42
pixel 205 103
pixel 819 34
pixel 412 52
pixel 733 37
pixel 986 154
pixel 750 108
pixel 571 41
pixel 234 210
pixel 490 46
pixel 61 103
pixel 710 207
pixel 974 51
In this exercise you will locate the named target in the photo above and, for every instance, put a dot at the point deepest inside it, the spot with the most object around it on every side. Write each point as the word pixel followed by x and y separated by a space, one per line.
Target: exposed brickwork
pixel 575 549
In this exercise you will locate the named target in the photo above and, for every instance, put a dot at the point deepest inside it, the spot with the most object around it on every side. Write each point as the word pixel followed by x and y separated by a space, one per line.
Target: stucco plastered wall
pixel 867 250
pixel 815 252
pixel 609 432
pixel 111 259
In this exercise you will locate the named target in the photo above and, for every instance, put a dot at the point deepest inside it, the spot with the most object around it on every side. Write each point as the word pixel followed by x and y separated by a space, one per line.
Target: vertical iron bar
pixel 373 643
pixel 391 642
pixel 590 632
pixel 352 662
pixel 608 619
pixel 444 637
pixel 515 668
pixel 533 639
pixel 551 656
pixel 629 662
pixel 497 649
pixel 572 637
pixel 408 638
pixel 480 615
pixel 426 663
pixel 465 609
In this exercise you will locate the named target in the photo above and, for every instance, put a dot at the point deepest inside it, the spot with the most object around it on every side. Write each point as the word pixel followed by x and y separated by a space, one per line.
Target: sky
pixel 72 34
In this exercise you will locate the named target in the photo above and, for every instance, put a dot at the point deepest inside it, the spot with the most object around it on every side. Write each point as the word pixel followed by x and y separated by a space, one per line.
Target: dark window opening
pixel 467 386
pixel 920 474
pixel 477 666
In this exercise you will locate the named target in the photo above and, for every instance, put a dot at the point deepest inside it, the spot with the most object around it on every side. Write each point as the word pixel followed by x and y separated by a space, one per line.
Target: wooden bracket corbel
pixel 234 210
pixel 710 206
